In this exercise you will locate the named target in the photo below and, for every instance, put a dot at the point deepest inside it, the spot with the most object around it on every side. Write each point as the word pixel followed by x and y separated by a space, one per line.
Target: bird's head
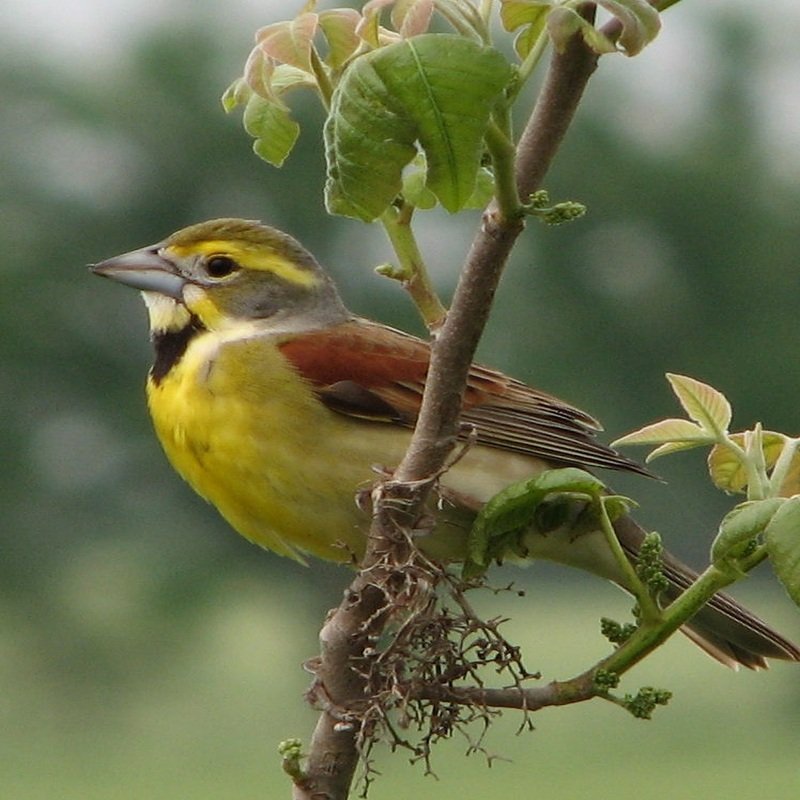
pixel 224 272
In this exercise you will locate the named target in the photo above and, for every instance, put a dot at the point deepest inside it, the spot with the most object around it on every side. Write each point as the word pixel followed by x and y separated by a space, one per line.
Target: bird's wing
pixel 371 371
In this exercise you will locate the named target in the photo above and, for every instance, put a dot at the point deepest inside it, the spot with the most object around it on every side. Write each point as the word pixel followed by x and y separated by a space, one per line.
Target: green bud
pixel 615 632
pixel 605 680
pixel 644 702
pixel 649 567
pixel 290 751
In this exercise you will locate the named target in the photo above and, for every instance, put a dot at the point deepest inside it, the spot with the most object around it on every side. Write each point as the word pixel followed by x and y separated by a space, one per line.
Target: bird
pixel 277 405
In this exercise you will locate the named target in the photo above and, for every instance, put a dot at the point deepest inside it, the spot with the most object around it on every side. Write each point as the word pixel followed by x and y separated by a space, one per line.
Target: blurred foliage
pixel 113 574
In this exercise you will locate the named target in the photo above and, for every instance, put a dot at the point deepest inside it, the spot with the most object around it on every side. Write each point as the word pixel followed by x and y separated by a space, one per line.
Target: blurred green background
pixel 145 651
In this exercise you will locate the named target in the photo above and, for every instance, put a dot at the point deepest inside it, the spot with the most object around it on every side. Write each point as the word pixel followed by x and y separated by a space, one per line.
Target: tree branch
pixel 455 345
pixel 334 754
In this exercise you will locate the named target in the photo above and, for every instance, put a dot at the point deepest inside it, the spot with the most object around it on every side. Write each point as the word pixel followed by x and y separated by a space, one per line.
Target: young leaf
pixel 728 472
pixel 412 17
pixel 236 94
pixel 415 191
pixel 673 435
pixel 285 77
pixel 704 404
pixel 570 480
pixel 339 28
pixel 783 545
pixel 258 71
pixel 666 430
pixel 290 42
pixel 741 525
pixel 530 15
pixel 274 131
pixel 435 90
pixel 617 505
pixel 640 23
pixel 785 475
pixel 563 23
pixel 669 448
pixel 464 17
pixel 409 17
pixel 511 509
pixel 483 191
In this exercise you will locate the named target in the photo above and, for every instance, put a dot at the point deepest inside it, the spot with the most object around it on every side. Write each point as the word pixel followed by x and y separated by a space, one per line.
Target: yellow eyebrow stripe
pixel 260 258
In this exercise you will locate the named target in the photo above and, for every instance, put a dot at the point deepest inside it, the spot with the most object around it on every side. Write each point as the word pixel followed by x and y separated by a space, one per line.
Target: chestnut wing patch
pixel 366 370
pixel 363 369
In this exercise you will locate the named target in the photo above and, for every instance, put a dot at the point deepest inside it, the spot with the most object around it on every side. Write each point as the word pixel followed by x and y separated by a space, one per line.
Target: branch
pixel 334 748
pixel 333 755
pixel 454 347
pixel 556 693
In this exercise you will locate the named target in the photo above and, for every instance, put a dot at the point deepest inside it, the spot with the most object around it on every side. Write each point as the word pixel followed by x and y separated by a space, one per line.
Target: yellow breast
pixel 248 434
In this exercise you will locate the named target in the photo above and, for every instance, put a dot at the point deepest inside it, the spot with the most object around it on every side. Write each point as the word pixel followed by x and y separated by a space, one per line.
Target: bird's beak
pixel 145 270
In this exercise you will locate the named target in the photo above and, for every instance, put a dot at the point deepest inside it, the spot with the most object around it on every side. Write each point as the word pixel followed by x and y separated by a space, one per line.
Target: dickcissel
pixel 275 403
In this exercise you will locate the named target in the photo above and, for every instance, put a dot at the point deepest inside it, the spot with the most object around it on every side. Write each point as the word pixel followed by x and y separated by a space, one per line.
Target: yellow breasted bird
pixel 275 403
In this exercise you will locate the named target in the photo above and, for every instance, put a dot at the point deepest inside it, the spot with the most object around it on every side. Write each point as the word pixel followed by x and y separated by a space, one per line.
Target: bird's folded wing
pixel 371 371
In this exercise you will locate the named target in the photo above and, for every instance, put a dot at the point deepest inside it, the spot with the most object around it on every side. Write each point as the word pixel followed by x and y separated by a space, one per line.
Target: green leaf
pixel 783 545
pixel 669 448
pixel 484 189
pixel 235 95
pixel 617 505
pixel 436 91
pixel 704 404
pixel 339 28
pixel 514 508
pixel 741 525
pixel 414 189
pixel 273 129
pixel 673 435
pixel 666 430
pixel 729 473
pixel 530 15
pixel 570 480
pixel 285 77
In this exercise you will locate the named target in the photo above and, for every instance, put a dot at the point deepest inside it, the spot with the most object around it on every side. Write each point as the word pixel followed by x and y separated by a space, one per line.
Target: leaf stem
pixel 413 273
pixel 323 81
pixel 466 20
pixel 758 481
pixel 648 636
pixel 648 608
pixel 502 151
pixel 782 465
pixel 530 62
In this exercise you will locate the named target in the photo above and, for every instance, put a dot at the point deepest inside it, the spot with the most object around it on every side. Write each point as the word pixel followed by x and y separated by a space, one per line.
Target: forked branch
pixel 351 627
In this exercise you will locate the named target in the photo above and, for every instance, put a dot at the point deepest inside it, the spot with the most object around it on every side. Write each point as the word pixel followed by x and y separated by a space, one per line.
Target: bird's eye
pixel 220 266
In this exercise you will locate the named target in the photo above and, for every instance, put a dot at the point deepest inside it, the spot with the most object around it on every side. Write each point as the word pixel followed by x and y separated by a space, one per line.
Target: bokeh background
pixel 146 651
